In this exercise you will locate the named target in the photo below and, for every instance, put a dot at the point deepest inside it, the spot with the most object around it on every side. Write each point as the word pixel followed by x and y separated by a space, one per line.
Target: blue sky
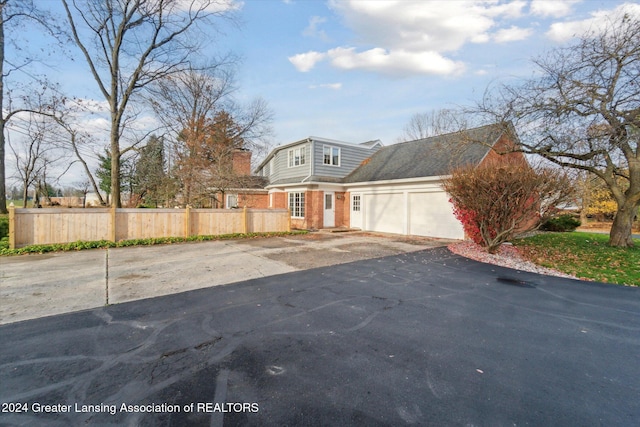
pixel 357 70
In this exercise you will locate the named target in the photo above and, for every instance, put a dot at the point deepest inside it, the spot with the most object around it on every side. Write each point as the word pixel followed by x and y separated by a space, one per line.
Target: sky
pixel 358 70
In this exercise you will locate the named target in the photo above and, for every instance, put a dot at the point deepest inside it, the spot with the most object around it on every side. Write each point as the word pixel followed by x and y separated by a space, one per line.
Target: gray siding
pixel 350 158
pixel 281 165
pixel 277 169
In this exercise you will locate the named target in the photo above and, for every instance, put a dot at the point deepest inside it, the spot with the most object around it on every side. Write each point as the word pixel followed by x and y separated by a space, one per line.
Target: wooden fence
pixel 51 225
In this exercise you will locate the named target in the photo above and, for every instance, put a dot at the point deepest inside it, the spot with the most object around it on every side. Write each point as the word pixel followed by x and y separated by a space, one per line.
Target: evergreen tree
pixel 149 176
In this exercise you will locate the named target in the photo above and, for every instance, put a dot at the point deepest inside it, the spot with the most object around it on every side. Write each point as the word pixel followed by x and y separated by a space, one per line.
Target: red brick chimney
pixel 242 161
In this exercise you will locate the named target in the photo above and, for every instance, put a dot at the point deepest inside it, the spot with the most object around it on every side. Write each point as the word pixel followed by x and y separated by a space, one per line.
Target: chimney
pixel 242 162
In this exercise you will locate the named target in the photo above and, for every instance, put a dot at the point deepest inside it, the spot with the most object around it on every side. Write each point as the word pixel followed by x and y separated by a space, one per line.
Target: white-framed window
pixel 331 155
pixel 296 205
pixel 232 201
pixel 296 157
pixel 355 203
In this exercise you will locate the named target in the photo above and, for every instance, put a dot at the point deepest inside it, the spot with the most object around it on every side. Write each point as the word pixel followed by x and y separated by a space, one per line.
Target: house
pixel 307 176
pixel 395 189
pixel 241 188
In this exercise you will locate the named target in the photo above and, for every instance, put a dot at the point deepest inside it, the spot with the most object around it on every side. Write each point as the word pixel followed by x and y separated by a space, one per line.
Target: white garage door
pixel 419 214
pixel 384 212
pixel 431 214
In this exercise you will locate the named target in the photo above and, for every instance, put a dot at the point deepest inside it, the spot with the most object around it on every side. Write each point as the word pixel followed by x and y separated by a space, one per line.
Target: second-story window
pixel 331 155
pixel 296 157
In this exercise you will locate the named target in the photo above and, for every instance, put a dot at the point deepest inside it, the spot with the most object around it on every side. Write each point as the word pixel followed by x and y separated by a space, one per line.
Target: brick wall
pixel 256 201
pixel 502 146
pixel 314 209
pixel 342 210
pixel 242 162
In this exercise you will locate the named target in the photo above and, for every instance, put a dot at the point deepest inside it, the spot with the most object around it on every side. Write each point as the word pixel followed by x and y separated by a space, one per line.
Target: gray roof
pixel 427 157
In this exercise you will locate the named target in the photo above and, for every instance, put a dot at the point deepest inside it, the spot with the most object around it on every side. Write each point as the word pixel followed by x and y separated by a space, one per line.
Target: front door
pixel 329 210
pixel 356 211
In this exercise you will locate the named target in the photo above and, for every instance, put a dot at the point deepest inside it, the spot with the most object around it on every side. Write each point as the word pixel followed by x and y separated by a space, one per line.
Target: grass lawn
pixel 584 255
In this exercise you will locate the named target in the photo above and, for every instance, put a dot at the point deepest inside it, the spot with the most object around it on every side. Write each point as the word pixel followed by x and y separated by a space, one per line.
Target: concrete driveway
pixel 420 338
pixel 34 286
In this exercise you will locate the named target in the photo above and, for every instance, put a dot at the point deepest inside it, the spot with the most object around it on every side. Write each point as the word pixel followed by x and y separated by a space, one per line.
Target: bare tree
pixel 33 154
pixel 582 111
pixel 13 14
pixel 207 126
pixel 73 139
pixel 433 123
pixel 83 188
pixel 129 44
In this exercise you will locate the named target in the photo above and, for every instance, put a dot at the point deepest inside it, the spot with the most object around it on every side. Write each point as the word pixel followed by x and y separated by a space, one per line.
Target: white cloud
pixel 428 25
pixel 552 8
pixel 394 62
pixel 563 31
pixel 313 30
pixel 306 61
pixel 413 37
pixel 512 34
pixel 334 86
pixel 212 6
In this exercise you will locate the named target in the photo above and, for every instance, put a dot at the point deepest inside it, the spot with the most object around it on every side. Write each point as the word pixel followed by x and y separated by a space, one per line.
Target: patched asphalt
pixel 422 338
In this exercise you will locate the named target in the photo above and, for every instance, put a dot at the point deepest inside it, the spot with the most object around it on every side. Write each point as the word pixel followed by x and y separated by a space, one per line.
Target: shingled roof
pixel 434 156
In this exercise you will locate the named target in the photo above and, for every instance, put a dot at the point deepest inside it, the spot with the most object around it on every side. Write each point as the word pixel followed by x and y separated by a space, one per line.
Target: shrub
pixel 4 226
pixel 500 199
pixel 562 223
pixel 469 221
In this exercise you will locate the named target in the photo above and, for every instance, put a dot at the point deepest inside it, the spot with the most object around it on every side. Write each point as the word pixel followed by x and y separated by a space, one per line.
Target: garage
pixel 415 210
pixel 384 212
pixel 400 185
pixel 431 214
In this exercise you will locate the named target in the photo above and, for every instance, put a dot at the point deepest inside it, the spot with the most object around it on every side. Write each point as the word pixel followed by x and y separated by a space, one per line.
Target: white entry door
pixel 329 210
pixel 356 211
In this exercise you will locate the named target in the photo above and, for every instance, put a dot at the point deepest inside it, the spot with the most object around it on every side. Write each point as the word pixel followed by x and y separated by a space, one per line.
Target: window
pixel 331 155
pixel 296 205
pixel 355 203
pixel 232 201
pixel 296 157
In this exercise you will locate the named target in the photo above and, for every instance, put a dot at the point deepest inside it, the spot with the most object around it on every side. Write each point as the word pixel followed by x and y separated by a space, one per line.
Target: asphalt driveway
pixel 423 338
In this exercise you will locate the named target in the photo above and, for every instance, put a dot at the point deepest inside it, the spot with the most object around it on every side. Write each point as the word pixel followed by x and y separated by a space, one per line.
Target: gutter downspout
pixel 311 169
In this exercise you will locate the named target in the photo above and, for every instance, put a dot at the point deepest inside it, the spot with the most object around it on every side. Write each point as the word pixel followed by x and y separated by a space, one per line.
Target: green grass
pixel 584 255
pixel 18 203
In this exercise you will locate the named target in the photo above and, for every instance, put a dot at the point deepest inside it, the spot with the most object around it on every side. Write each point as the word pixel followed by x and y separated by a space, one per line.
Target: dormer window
pixel 331 155
pixel 296 157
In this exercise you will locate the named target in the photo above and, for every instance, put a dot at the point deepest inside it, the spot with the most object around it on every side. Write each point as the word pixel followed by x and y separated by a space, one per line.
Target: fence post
pixel 12 226
pixel 113 223
pixel 245 223
pixel 187 221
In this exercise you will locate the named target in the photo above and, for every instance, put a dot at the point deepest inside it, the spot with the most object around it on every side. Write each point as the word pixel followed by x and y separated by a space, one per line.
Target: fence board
pixel 51 226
